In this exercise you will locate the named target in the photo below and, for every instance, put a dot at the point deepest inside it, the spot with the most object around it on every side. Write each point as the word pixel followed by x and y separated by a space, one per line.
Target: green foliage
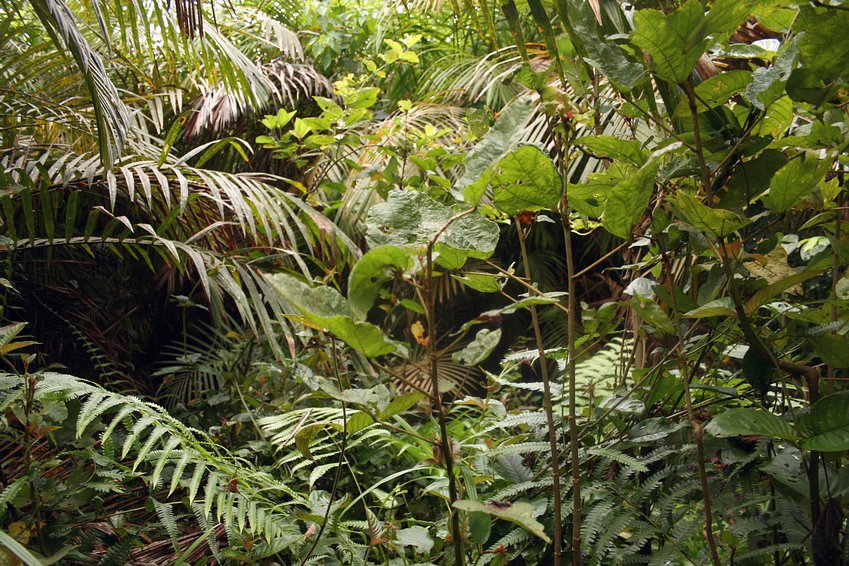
pixel 382 312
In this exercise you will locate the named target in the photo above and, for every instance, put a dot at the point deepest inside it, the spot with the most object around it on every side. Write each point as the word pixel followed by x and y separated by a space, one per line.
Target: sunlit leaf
pixel 376 267
pixel 519 513
pixel 325 307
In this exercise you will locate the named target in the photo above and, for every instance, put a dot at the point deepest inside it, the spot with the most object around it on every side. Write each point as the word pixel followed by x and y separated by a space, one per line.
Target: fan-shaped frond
pixel 459 78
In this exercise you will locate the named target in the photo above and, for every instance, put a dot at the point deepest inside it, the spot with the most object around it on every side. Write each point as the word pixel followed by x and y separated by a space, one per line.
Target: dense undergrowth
pixel 428 283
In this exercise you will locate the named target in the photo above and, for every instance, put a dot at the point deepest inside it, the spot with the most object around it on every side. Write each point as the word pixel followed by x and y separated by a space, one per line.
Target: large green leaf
pixel 375 268
pixel 520 513
pixel 478 349
pixel 824 43
pixel 525 180
pixel 603 54
pixel 826 426
pixel 417 537
pixel 628 200
pixel 675 41
pixel 512 468
pixel 615 148
pixel 483 282
pixel 718 307
pixel 409 220
pixel 590 197
pixel 767 84
pixel 326 308
pixel 716 91
pixel 778 287
pixel 504 136
pixel 717 222
pixel 744 422
pixel 795 180
pixel 832 348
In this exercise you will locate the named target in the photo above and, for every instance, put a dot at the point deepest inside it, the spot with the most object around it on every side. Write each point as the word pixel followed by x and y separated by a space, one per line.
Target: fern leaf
pixel 177 474
pixel 137 429
pixel 616 456
pixel 197 478
pixel 157 433
pixel 165 512
pixel 163 458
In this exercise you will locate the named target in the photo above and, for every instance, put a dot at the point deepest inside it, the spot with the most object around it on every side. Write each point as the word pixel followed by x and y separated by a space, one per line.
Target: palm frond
pixel 110 113
pixel 459 78
pixel 217 108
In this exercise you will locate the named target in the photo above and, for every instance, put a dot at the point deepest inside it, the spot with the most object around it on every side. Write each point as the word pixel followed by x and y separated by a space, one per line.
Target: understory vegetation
pixel 359 282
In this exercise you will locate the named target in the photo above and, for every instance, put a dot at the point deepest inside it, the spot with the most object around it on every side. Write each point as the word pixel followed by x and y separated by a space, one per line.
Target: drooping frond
pixel 216 109
pixel 459 78
pixel 111 115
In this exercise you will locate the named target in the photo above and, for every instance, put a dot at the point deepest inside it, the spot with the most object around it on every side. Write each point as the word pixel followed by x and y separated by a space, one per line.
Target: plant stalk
pixel 445 441
pixel 698 432
pixel 697 135
pixel 548 407
pixel 571 338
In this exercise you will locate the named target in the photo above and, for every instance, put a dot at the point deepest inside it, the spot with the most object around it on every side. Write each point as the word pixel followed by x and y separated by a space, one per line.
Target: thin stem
pixel 691 413
pixel 596 263
pixel 445 440
pixel 548 406
pixel 572 327
pixel 533 290
pixel 697 135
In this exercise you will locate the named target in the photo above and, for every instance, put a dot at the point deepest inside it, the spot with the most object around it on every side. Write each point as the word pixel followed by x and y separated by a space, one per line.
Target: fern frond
pixel 165 512
pixel 156 440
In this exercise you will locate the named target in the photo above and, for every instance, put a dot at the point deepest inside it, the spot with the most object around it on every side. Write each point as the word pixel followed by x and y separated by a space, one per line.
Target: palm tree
pixel 105 217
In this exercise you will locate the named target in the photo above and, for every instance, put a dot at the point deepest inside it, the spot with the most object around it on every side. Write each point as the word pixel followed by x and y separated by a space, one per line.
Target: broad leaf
pixel 520 513
pixel 400 404
pixel 824 44
pixel 628 200
pixel 767 84
pixel 716 91
pixel 795 180
pixel 745 422
pixel 832 348
pixel 525 180
pixel 675 41
pixel 778 287
pixel 826 426
pixel 511 468
pixel 417 537
pixel 375 268
pixel 483 282
pixel 478 349
pixel 326 308
pixel 480 527
pixel 615 148
pixel 601 53
pixel 718 307
pixel 501 138
pixel 409 220
pixel 717 222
